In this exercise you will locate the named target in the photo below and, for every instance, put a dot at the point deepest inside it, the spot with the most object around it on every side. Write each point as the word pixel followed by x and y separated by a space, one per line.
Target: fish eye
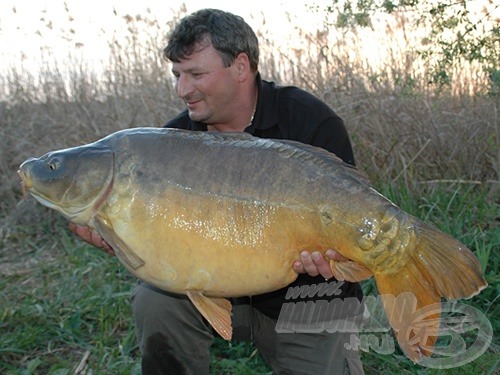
pixel 53 164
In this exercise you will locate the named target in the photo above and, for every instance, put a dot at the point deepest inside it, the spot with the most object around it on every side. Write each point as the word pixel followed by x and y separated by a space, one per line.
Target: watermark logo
pixel 463 332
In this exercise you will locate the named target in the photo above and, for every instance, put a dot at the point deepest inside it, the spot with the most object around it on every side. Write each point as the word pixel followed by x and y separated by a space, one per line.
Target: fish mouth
pixel 27 185
pixel 26 182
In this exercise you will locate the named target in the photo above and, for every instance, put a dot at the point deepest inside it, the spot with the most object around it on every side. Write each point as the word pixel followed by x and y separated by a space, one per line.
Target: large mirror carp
pixel 190 213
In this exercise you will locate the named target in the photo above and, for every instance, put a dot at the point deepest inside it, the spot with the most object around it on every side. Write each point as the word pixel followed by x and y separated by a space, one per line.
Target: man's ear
pixel 242 64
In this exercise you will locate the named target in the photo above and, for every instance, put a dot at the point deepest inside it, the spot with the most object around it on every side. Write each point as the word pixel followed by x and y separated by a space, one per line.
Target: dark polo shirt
pixel 287 112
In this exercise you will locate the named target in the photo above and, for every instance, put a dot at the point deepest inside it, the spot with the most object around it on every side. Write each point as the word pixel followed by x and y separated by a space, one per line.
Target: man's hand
pixel 315 263
pixel 91 237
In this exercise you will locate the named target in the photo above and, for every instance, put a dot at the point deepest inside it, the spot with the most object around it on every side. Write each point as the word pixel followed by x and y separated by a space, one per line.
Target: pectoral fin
pixel 216 310
pixel 127 255
pixel 349 271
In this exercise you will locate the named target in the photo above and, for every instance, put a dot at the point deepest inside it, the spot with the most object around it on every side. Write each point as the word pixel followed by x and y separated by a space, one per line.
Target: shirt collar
pixel 265 113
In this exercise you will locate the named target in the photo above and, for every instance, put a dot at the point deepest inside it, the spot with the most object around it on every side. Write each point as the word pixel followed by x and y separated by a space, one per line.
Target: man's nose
pixel 183 86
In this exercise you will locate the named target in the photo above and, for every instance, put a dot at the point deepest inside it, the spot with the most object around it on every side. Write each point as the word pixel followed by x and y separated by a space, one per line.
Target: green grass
pixel 72 300
pixel 64 306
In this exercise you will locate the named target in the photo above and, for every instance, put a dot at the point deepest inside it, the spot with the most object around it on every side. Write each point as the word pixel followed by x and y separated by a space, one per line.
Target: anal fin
pixel 216 310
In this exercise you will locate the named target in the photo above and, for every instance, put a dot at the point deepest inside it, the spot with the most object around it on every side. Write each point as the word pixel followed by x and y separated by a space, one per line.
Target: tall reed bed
pixel 402 128
pixel 434 151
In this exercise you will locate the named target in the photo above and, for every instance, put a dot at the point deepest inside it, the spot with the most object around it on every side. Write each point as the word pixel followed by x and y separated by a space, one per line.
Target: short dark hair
pixel 229 34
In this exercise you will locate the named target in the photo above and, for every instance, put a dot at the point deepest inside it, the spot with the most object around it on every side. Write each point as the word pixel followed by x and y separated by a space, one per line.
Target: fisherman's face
pixel 207 87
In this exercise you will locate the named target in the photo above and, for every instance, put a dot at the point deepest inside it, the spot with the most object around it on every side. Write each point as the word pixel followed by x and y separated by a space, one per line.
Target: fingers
pixel 91 237
pixel 98 241
pixel 335 255
pixel 313 264
pixel 81 231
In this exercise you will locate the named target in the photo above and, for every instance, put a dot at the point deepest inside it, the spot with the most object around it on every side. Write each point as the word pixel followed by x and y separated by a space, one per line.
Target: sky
pixel 60 27
pixel 31 31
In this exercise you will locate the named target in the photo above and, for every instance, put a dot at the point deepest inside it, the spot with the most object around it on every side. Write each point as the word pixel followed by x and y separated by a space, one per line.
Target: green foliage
pixel 239 358
pixel 494 75
pixel 66 304
pixel 456 31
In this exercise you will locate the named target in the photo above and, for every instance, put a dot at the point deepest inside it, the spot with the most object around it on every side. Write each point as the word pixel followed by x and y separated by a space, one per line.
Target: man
pixel 214 57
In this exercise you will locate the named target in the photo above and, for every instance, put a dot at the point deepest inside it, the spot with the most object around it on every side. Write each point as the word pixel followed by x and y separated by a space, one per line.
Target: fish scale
pixel 189 213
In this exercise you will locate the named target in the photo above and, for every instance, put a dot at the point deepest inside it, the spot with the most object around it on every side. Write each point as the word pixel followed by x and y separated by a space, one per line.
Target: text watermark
pixel 464 333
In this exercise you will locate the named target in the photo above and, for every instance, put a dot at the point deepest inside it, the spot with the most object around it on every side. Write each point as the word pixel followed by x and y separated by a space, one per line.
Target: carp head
pixel 73 181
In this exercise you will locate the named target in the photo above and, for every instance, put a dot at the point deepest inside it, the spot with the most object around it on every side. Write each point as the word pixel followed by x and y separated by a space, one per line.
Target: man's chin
pixel 196 116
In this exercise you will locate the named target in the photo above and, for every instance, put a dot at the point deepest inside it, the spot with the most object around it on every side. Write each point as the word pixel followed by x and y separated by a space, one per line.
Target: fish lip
pixel 21 173
pixel 25 182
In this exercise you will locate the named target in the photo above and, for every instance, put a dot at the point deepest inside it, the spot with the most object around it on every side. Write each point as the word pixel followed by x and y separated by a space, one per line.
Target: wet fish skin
pixel 189 213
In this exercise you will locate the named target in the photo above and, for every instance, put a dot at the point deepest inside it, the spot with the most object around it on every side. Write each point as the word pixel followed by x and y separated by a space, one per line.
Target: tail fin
pixel 440 266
